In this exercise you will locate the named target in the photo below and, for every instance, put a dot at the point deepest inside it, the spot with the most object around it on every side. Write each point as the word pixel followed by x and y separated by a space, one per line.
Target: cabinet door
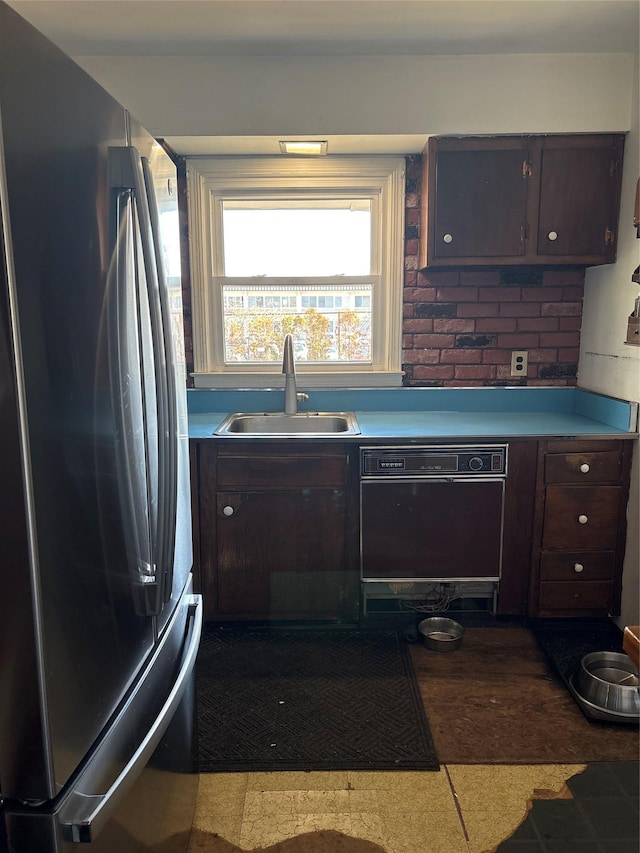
pixel 281 554
pixel 480 199
pixel 579 197
pixel 521 200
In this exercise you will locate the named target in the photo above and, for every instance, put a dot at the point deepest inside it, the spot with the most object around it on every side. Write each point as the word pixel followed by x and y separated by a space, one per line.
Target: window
pixel 308 247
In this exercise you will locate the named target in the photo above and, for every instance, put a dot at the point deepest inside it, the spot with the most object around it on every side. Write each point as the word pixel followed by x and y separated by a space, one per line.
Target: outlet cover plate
pixel 519 363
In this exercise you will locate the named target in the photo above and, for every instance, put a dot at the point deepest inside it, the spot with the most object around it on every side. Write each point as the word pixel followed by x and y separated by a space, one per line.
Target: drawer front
pixel 578 518
pixel 577 566
pixel 592 595
pixel 277 471
pixel 586 468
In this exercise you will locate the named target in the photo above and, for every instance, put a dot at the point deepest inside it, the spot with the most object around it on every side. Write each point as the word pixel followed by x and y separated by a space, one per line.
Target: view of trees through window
pixel 326 324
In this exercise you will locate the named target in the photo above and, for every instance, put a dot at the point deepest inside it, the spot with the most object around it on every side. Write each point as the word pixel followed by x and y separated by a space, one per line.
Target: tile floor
pixel 460 809
pixel 601 816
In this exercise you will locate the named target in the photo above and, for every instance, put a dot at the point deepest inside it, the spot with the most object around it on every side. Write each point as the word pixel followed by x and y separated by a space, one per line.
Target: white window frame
pixel 211 180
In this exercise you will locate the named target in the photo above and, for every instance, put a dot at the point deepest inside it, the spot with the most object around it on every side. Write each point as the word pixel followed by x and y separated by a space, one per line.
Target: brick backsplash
pixel 461 326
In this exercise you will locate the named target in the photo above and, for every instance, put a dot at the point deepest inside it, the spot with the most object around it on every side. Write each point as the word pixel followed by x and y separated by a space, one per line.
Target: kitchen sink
pixel 311 424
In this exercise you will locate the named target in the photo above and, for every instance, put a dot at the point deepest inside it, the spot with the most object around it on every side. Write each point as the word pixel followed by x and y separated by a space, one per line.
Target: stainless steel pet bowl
pixel 609 680
pixel 440 634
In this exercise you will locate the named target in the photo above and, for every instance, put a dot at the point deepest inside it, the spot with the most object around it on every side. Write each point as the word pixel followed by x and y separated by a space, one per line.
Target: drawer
pixel 577 566
pixel 586 468
pixel 277 471
pixel 591 595
pixel 579 518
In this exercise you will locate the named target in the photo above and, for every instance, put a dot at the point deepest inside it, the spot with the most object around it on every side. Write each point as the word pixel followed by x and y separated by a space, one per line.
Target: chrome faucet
pixel 291 395
pixel 289 370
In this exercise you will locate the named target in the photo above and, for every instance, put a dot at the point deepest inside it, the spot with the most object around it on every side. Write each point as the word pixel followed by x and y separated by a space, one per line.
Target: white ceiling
pixel 86 28
pixel 335 27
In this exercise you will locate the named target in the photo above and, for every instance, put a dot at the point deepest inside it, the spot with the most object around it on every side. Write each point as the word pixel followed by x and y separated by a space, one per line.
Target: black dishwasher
pixel 432 513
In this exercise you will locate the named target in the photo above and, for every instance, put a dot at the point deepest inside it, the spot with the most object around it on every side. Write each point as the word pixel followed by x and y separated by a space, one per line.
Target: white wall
pixel 606 364
pixel 262 96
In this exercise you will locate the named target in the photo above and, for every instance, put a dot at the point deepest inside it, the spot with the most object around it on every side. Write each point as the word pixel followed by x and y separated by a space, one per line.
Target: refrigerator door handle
pixel 127 173
pixel 169 506
pixel 84 815
pixel 150 260
pixel 129 398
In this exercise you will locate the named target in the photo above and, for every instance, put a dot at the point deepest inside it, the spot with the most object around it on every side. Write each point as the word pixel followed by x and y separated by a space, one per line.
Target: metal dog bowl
pixel 440 634
pixel 609 680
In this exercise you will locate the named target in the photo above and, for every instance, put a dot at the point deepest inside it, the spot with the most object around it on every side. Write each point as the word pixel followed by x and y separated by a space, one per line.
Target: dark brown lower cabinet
pixel 281 553
pixel 579 528
pixel 275 537
pixel 278 538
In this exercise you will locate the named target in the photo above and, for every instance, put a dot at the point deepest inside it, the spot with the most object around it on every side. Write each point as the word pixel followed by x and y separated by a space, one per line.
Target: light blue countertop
pixel 436 413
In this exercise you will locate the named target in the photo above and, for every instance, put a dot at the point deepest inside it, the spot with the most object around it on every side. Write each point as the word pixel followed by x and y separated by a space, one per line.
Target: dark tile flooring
pixel 602 817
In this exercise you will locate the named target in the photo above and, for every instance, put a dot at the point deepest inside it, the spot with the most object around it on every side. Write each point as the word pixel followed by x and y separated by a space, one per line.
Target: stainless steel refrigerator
pixel 99 626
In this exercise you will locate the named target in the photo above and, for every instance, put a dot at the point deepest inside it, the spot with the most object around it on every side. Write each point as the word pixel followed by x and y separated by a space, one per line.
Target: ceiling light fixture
pixel 304 148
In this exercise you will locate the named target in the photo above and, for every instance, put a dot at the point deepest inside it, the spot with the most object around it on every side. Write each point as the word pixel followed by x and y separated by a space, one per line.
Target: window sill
pixel 380 379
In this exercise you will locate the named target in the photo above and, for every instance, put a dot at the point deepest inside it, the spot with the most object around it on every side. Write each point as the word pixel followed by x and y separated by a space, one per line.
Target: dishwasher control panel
pixel 457 460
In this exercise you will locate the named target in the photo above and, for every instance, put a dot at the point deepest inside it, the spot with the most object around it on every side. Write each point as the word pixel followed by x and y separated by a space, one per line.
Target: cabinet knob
pixel 552 235
pixel 584 468
pixel 228 510
pixel 583 519
pixel 448 238
pixel 578 567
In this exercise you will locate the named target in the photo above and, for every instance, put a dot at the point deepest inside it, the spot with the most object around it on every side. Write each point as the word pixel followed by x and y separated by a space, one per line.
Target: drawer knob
pixel 584 468
pixel 578 567
pixel 448 238
pixel 227 510
pixel 583 519
pixel 552 235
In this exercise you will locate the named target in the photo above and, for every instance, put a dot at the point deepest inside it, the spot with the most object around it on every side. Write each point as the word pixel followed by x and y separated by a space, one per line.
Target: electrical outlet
pixel 519 361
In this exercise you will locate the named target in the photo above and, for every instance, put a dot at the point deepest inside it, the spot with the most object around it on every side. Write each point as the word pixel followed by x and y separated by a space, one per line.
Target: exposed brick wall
pixel 461 326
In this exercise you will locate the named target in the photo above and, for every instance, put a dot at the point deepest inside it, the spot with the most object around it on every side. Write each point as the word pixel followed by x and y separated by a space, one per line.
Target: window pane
pixel 338 332
pixel 307 238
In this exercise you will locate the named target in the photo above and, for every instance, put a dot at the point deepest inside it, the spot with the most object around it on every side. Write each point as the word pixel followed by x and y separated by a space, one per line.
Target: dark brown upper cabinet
pixel 521 200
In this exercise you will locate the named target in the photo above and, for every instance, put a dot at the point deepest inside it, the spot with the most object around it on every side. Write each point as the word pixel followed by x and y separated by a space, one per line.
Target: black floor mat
pixel 326 699
pixel 566 644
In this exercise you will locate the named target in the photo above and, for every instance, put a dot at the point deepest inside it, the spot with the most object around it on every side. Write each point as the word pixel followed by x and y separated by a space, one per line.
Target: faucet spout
pixel 289 370
pixel 288 364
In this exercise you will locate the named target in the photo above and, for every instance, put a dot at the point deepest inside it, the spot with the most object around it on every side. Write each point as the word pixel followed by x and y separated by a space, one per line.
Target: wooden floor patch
pixel 497 700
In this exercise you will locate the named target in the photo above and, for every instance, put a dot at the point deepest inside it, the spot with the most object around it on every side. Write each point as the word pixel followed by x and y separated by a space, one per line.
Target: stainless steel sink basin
pixel 310 424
